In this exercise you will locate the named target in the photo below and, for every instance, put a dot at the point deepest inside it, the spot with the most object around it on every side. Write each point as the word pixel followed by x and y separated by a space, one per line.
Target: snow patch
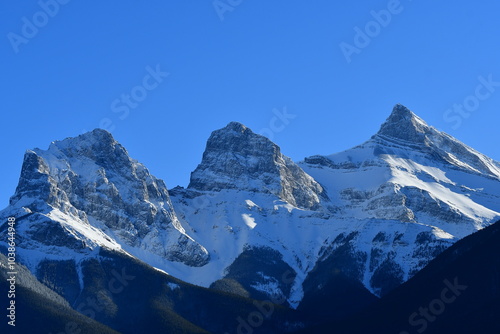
pixel 249 221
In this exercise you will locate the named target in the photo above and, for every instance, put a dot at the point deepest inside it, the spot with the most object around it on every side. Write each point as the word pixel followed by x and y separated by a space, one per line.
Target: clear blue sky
pixel 74 69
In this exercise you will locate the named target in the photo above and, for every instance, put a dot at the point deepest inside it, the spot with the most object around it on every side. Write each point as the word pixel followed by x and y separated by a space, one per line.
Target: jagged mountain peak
pixel 90 185
pixel 409 163
pixel 237 158
pixel 401 111
pixel 410 132
pixel 94 145
pixel 236 127
pixel 91 157
pixel 238 139
pixel 404 125
pixel 96 136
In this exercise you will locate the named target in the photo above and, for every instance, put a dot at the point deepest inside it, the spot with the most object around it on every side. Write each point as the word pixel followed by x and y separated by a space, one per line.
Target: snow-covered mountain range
pixel 252 218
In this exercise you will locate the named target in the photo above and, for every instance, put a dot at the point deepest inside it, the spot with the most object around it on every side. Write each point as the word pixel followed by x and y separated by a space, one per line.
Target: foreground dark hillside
pixel 40 310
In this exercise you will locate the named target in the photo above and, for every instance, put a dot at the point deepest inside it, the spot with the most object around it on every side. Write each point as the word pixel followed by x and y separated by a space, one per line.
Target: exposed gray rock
pixel 92 179
pixel 403 127
pixel 237 158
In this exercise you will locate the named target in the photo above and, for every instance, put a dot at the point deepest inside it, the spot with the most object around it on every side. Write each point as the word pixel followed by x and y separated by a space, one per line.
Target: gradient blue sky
pixel 263 56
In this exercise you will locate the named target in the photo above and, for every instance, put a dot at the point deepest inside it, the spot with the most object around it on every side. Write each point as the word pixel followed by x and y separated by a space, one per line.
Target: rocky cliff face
pixel 404 128
pixel 237 158
pixel 98 192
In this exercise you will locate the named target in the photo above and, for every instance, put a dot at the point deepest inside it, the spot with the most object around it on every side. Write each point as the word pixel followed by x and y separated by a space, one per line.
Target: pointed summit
pixel 401 111
pixel 236 137
pixel 405 128
pixel 403 124
pixel 237 158
pixel 91 183
pixel 88 138
pixel 91 144
pixel 236 127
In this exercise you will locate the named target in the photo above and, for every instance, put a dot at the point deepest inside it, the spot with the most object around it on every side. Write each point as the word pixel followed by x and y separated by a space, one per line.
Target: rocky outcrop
pixel 237 158
pixel 405 128
pixel 91 181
